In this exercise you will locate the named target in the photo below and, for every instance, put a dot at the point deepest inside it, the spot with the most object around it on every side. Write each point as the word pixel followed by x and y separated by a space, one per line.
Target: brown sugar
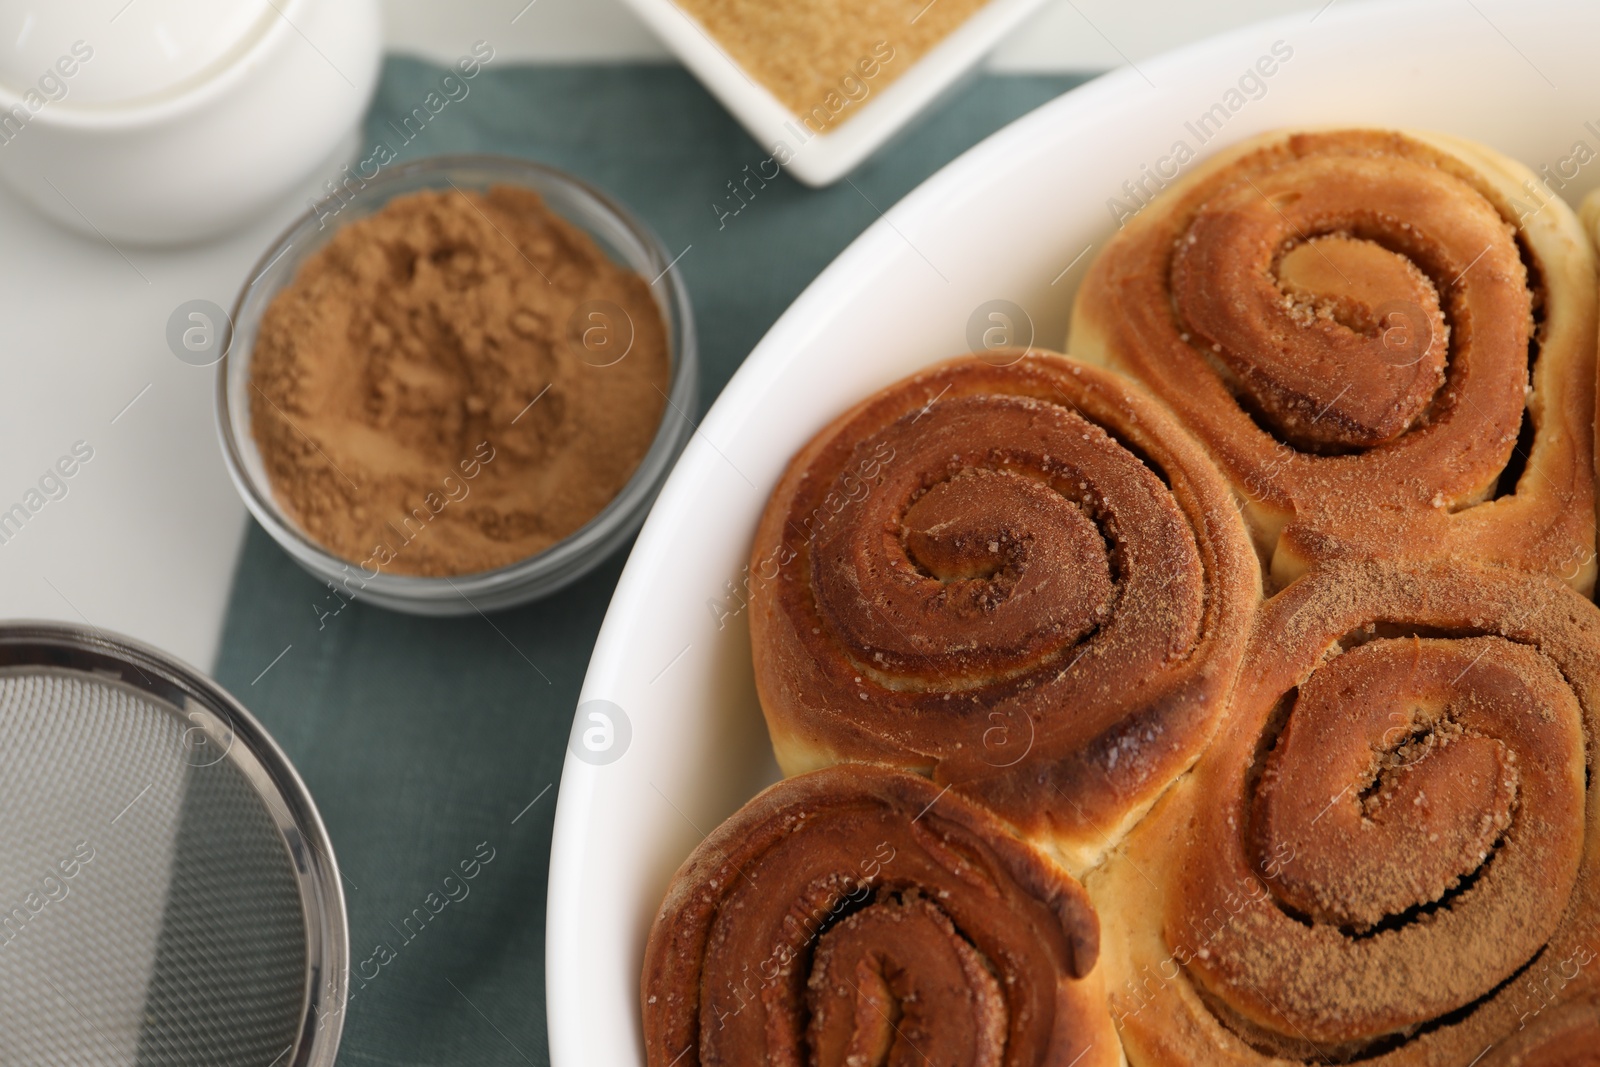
pixel 455 382
pixel 820 58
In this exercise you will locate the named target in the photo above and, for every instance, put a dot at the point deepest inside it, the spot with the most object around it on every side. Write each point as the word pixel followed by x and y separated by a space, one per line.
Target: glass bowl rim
pixel 566 559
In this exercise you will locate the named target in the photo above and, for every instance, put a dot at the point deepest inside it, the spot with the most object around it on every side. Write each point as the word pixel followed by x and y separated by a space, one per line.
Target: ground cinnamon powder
pixel 456 382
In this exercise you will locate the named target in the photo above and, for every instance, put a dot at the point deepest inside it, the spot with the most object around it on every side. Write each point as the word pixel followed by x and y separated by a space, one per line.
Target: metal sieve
pixel 167 892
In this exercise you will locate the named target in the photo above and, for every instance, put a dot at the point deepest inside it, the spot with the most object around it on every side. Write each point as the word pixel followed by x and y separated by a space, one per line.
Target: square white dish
pixel 1016 218
pixel 822 158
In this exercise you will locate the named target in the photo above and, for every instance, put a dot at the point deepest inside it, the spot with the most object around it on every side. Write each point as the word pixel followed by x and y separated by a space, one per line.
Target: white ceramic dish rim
pixel 824 158
pixel 578 1003
pixel 192 97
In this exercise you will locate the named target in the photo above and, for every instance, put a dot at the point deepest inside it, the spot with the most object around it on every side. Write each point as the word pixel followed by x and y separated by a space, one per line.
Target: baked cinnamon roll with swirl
pixel 1383 338
pixel 863 916
pixel 1024 580
pixel 1391 853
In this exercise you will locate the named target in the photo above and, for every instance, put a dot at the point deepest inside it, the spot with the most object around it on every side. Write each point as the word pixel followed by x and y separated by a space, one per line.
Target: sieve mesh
pixel 150 912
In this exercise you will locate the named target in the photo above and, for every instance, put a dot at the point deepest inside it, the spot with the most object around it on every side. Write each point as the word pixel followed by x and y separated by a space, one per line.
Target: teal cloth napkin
pixel 433 747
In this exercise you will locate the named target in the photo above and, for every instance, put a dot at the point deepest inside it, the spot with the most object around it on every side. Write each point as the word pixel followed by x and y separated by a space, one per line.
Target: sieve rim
pixel 104 658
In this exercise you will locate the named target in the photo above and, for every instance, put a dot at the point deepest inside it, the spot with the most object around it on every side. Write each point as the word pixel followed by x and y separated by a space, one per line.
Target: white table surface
pixel 146 538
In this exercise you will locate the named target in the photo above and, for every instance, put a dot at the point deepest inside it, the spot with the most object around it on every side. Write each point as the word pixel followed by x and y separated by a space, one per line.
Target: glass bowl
pixel 617 232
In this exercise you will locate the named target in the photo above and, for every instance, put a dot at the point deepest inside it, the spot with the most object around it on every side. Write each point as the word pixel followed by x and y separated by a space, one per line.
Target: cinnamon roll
pixel 1386 340
pixel 857 915
pixel 1391 854
pixel 1024 580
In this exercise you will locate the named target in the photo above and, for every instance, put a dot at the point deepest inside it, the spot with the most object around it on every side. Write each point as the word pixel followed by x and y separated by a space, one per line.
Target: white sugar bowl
pixel 165 121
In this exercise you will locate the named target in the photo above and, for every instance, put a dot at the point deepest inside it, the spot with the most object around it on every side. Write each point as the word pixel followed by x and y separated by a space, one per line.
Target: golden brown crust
pixel 1024 579
pixel 1390 852
pixel 1344 319
pixel 857 911
pixel 1564 1036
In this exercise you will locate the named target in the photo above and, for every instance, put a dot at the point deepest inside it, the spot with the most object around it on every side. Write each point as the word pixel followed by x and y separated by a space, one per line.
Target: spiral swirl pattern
pixel 1386 354
pixel 1393 836
pixel 1024 579
pixel 861 916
